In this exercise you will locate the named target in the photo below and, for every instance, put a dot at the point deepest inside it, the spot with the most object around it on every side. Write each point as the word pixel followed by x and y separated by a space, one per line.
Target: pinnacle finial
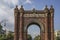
pixel 46 9
pixel 51 6
pixel 16 10
pixel 46 6
pixel 21 6
pixel 33 10
pixel 16 6
pixel 51 9
pixel 21 9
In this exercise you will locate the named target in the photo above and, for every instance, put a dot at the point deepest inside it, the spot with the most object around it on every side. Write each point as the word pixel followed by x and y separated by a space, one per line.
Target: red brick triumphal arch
pixel 43 18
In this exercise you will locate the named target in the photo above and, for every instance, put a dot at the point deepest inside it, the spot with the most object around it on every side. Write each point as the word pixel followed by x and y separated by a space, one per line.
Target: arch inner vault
pixel 33 30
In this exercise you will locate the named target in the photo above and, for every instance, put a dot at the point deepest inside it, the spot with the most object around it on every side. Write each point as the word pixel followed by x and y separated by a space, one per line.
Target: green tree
pixel 10 36
pixel 37 37
pixel 3 37
pixel 57 38
pixel 0 27
pixel 29 37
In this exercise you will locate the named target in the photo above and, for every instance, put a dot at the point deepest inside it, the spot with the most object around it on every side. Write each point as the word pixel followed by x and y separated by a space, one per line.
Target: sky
pixel 34 30
pixel 7 10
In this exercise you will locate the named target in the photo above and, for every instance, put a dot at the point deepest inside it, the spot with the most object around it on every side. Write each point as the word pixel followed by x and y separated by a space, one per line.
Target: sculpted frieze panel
pixel 34 15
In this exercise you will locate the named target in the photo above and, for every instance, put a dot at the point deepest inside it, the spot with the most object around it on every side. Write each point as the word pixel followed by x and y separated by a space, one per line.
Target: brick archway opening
pixel 34 26
pixel 37 25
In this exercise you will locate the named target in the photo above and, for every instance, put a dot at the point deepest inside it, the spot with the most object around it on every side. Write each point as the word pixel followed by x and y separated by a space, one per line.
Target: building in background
pixel 57 34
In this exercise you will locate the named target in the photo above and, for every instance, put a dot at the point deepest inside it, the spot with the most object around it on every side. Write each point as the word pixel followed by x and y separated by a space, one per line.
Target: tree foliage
pixel 10 36
pixel 29 37
pixel 0 27
pixel 37 37
pixel 57 38
pixel 3 37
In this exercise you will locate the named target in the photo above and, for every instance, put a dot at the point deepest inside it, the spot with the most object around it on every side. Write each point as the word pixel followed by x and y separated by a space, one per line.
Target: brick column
pixel 52 22
pixel 42 36
pixel 21 23
pixel 46 27
pixel 15 29
pixel 25 35
pixel 46 10
pixel 52 28
pixel 21 27
pixel 16 25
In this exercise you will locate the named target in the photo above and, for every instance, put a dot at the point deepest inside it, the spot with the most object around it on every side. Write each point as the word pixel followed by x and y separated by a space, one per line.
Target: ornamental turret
pixel 46 10
pixel 21 9
pixel 52 10
pixel 16 11
pixel 34 10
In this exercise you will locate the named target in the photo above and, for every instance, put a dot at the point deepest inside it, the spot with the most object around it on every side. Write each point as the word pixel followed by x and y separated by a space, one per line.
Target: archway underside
pixel 30 22
pixel 33 30
pixel 41 33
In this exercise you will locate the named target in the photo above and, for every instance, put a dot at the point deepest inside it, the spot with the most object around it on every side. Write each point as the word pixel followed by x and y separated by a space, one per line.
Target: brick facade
pixel 43 18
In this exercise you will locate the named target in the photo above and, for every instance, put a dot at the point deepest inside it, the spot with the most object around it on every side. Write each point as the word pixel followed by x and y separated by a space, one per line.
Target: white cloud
pixel 14 2
pixel 7 13
pixel 34 30
pixel 28 1
pixel 3 12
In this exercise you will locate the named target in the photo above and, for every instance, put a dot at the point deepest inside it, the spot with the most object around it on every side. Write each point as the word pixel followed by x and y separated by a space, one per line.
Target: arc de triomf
pixel 43 18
